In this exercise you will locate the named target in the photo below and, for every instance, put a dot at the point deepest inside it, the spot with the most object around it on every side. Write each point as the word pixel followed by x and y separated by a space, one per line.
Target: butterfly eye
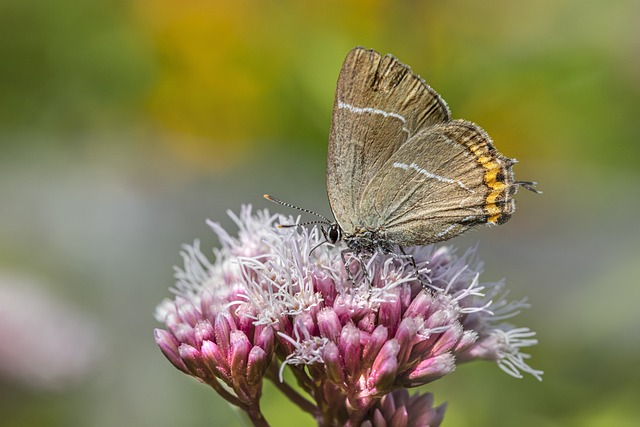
pixel 334 233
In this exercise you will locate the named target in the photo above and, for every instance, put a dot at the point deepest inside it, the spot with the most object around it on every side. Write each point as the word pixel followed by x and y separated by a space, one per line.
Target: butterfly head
pixel 333 234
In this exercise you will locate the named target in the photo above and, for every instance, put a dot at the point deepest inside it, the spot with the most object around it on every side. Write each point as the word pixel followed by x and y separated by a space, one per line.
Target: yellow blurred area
pixel 124 125
pixel 220 62
pixel 231 75
pixel 205 88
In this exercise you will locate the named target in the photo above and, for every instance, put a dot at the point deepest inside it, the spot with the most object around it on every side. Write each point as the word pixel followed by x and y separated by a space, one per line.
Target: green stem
pixel 257 419
pixel 292 394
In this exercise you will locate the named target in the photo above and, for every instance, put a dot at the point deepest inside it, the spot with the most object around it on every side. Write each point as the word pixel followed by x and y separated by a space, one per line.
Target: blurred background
pixel 125 124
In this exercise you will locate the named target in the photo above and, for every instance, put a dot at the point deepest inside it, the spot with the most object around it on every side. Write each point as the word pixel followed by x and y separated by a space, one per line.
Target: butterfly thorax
pixel 368 242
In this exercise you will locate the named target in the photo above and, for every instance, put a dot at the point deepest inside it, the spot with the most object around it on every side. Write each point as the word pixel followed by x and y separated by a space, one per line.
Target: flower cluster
pixel 354 342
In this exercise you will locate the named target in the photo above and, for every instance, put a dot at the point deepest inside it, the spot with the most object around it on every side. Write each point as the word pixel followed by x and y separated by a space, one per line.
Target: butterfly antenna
pixel 302 223
pixel 317 246
pixel 289 205
pixel 529 185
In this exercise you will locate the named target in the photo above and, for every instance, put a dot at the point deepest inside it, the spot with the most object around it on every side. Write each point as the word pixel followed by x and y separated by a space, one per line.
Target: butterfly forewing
pixel 379 105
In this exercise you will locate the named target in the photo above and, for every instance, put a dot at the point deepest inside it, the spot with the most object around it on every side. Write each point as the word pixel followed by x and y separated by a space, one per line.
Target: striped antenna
pixel 289 205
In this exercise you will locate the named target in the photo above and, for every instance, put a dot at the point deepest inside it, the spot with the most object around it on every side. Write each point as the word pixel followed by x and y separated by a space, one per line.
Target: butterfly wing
pixel 442 181
pixel 379 105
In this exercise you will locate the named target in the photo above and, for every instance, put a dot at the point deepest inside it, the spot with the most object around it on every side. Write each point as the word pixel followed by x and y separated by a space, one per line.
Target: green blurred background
pixel 125 124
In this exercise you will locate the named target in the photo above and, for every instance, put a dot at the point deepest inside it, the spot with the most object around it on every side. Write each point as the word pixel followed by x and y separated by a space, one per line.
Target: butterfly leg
pixel 346 265
pixel 412 260
pixel 363 266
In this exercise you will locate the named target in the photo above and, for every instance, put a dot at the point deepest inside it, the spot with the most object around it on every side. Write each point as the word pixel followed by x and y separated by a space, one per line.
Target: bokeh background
pixel 125 124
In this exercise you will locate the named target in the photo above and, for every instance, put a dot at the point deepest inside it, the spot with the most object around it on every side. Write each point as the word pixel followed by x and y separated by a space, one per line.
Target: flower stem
pixel 213 382
pixel 292 394
pixel 257 419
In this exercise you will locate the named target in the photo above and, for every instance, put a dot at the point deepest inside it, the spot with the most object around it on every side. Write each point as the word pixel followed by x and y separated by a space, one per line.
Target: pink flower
pixel 399 410
pixel 268 300
pixel 46 344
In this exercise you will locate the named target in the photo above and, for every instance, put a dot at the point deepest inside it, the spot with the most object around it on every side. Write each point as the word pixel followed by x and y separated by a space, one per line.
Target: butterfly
pixel 400 171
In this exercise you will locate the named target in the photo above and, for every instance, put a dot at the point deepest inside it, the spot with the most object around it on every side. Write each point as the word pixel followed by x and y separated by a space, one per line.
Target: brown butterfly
pixel 400 171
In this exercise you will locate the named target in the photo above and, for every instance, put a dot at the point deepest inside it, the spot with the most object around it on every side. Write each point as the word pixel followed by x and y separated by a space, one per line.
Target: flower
pixel 46 343
pixel 352 341
pixel 398 409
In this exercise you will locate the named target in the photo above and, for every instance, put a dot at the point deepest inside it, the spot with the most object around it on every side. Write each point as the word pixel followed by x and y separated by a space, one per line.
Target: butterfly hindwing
pixel 442 181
